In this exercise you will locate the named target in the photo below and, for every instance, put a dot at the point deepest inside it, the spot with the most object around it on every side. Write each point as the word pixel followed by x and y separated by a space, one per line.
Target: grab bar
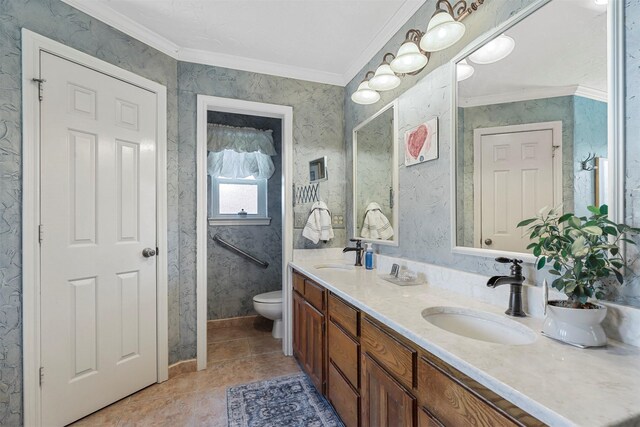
pixel 240 252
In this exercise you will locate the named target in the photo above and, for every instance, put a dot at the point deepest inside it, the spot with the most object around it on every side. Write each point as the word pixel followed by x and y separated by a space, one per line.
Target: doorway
pixel 510 162
pixel 222 106
pixel 94 233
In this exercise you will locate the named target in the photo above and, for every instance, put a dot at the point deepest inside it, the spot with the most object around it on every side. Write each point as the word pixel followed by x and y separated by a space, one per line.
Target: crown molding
pixel 526 95
pixel 595 94
pixel 104 13
pixel 393 25
pixel 258 66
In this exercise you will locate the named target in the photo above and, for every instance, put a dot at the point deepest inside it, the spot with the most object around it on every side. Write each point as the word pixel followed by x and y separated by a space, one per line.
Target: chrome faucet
pixel 515 280
pixel 358 250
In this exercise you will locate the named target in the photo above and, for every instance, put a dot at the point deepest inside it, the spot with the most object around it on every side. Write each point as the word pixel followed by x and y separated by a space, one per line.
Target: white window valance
pixel 240 152
pixel 241 140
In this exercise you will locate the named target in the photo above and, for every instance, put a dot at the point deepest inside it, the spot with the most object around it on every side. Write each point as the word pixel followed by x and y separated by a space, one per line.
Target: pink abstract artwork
pixel 421 143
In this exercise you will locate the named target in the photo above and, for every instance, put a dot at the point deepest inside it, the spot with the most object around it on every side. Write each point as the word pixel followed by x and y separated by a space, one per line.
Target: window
pixel 238 201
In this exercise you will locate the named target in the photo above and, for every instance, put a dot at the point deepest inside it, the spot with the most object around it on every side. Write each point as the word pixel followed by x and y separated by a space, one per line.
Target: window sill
pixel 239 221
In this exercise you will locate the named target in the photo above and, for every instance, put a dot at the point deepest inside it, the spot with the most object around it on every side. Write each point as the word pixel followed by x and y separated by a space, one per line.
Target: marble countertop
pixel 559 384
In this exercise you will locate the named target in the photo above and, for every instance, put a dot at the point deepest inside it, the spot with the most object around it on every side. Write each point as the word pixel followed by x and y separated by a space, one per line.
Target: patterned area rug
pixel 287 401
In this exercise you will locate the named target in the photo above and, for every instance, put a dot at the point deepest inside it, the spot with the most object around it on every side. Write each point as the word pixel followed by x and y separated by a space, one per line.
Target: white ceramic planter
pixel 576 326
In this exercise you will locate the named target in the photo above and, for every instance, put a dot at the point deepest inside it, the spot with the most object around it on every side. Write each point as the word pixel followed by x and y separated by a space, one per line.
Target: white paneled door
pixel 98 215
pixel 517 181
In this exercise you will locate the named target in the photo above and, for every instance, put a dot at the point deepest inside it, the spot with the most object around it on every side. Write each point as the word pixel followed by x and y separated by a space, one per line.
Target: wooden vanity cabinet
pixel 343 347
pixel 374 377
pixel 309 326
pixel 423 389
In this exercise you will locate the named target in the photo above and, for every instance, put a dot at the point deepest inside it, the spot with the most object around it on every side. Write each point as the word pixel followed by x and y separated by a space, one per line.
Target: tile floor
pixel 236 355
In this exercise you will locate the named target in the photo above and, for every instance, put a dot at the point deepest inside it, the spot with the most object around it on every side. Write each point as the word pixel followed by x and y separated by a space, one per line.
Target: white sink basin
pixel 335 266
pixel 479 325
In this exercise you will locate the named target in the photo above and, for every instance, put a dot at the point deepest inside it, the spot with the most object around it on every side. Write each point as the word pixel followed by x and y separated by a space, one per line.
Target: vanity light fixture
pixel 464 70
pixel 444 29
pixel 364 94
pixel 384 77
pixel 410 59
pixel 442 32
pixel 497 49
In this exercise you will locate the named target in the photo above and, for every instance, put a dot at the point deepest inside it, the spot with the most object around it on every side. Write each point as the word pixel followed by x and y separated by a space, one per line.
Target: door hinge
pixel 40 87
pixel 554 148
pixel 41 374
pixel 40 233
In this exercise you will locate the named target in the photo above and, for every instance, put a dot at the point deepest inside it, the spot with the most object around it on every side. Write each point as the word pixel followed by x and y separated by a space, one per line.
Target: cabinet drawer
pixel 452 403
pixel 343 398
pixel 394 356
pixel 343 352
pixel 314 294
pixel 298 283
pixel 344 315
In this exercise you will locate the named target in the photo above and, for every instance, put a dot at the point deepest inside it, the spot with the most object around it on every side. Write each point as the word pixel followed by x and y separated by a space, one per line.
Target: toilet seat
pixel 274 297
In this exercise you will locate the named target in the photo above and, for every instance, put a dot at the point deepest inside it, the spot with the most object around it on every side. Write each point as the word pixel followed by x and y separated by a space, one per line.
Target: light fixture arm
pixel 388 61
pixel 460 9
pixel 413 35
pixel 366 76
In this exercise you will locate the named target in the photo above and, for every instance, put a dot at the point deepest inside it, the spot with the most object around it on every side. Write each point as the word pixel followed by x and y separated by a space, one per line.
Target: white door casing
pixel 132 162
pixel 237 106
pixel 517 172
pixel 98 146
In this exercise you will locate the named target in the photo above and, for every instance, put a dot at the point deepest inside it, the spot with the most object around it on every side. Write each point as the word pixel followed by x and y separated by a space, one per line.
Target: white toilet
pixel 269 305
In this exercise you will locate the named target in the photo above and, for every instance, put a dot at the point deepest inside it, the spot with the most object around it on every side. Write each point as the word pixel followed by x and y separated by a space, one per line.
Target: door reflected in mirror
pixel 531 120
pixel 375 177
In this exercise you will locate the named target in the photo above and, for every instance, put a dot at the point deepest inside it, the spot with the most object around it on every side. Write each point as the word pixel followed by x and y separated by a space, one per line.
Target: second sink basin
pixel 479 325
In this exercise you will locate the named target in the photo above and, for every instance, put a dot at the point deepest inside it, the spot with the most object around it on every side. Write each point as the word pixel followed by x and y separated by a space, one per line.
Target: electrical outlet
pixel 337 221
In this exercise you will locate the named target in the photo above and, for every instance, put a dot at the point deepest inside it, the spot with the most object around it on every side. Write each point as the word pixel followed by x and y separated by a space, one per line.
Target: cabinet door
pixel 425 419
pixel 313 343
pixel 298 326
pixel 385 403
pixel 343 397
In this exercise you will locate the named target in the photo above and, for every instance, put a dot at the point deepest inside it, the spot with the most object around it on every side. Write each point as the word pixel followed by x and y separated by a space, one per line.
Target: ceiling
pixel 561 49
pixel 326 41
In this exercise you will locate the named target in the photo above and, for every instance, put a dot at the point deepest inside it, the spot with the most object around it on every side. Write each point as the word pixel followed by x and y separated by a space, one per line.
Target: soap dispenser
pixel 368 257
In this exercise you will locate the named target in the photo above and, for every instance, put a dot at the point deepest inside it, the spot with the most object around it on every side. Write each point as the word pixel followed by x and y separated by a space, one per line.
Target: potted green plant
pixel 583 253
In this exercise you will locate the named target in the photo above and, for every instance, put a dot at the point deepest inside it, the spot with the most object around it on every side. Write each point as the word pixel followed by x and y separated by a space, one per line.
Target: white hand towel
pixel 318 225
pixel 376 225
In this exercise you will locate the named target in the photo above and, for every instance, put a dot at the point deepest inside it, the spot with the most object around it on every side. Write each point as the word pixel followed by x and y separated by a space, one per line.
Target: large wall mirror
pixel 531 123
pixel 375 177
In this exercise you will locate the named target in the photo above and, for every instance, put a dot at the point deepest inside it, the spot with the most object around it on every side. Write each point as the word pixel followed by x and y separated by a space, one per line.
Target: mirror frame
pixel 395 184
pixel 615 119
pixel 326 170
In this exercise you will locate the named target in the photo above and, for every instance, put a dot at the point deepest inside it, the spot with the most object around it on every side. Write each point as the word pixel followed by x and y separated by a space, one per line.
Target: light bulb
pixel 497 49
pixel 443 31
pixel 384 78
pixel 464 70
pixel 408 59
pixel 365 95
